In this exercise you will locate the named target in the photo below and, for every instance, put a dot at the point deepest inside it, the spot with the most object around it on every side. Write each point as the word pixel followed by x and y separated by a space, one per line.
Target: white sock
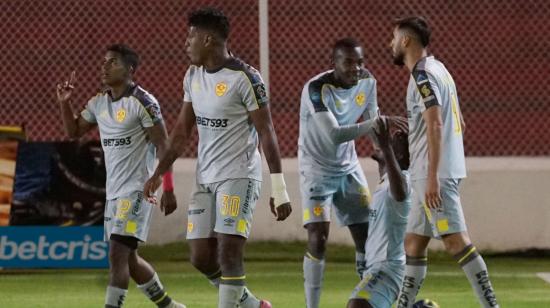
pixel 230 295
pixel 415 273
pixel 476 270
pixel 114 297
pixel 154 290
pixel 313 280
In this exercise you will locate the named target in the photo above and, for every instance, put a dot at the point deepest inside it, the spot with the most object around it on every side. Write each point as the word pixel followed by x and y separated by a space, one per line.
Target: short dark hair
pixel 128 55
pixel 211 19
pixel 418 26
pixel 345 43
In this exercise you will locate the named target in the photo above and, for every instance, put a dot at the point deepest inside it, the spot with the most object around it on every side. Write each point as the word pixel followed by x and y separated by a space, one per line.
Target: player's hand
pixel 151 187
pixel 382 132
pixel 168 203
pixel 433 193
pixel 65 89
pixel 282 211
pixel 398 124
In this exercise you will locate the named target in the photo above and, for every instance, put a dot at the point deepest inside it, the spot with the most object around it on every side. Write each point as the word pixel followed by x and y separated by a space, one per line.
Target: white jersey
pixel 228 141
pixel 318 154
pixel 431 85
pixel 129 154
pixel 387 224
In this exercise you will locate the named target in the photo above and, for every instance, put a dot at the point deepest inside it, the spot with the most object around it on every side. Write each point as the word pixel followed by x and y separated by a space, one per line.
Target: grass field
pixel 274 271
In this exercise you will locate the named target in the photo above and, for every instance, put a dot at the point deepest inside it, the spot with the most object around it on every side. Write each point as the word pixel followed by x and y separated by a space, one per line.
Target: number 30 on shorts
pixel 230 205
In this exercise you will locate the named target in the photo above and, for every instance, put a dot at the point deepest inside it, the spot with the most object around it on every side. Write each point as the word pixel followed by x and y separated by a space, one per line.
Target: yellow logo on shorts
pixel 338 104
pixel 189 227
pixel 443 225
pixel 131 227
pixel 306 215
pixel 120 115
pixel 241 226
pixel 318 210
pixel 122 208
pixel 221 88
pixel 360 99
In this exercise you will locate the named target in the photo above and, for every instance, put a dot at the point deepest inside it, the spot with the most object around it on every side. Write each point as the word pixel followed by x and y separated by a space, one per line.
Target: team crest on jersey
pixel 360 99
pixel 120 115
pixel 221 88
pixel 318 210
pixel 426 91
pixel 190 227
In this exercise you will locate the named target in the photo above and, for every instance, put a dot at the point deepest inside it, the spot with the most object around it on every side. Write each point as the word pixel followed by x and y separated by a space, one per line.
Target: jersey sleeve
pixel 315 97
pixel 252 90
pixel 150 114
pixel 187 86
pixel 88 113
pixel 371 110
pixel 427 89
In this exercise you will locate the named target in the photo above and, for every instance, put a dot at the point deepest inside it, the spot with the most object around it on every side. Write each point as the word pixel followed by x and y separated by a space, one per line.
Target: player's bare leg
pixel 473 265
pixel 119 273
pixel 415 269
pixel 314 261
pixel 359 233
pixel 204 257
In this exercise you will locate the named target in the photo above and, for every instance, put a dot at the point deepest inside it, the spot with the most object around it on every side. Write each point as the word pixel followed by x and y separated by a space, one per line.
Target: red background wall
pixel 497 51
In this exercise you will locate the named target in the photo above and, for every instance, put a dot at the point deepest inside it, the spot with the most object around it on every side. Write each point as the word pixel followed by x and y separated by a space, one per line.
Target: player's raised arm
pixel 74 126
pixel 327 123
pixel 175 147
pixel 398 187
pixel 279 201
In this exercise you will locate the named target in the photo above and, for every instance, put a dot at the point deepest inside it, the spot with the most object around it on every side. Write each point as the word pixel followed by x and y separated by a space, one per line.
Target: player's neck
pixel 217 59
pixel 414 56
pixel 118 90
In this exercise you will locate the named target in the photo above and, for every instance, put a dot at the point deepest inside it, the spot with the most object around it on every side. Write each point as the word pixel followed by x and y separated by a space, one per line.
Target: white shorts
pixel 224 207
pixel 128 216
pixel 447 219
pixel 349 194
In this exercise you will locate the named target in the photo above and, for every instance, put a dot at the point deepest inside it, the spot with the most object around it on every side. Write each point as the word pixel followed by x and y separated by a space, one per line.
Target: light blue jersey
pixel 431 85
pixel 387 225
pixel 317 153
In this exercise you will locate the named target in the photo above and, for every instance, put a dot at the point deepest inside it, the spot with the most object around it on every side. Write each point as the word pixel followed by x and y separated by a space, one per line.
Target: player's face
pixel 195 46
pixel 348 63
pixel 396 46
pixel 113 70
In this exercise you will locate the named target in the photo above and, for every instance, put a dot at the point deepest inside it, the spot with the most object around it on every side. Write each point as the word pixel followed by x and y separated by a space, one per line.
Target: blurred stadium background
pixel 497 51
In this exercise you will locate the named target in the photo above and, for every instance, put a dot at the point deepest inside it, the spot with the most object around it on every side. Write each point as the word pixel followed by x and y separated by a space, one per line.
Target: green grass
pixel 274 271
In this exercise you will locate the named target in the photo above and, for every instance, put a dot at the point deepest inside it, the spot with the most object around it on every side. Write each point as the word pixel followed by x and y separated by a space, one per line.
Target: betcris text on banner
pixel 53 247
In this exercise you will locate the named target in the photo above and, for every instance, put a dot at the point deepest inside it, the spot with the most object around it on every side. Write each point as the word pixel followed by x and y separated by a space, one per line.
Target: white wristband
pixel 278 189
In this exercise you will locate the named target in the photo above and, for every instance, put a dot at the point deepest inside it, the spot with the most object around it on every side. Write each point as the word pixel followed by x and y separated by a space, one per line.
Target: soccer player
pixel 226 99
pixel 131 129
pixel 437 164
pixel 388 211
pixel 330 174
